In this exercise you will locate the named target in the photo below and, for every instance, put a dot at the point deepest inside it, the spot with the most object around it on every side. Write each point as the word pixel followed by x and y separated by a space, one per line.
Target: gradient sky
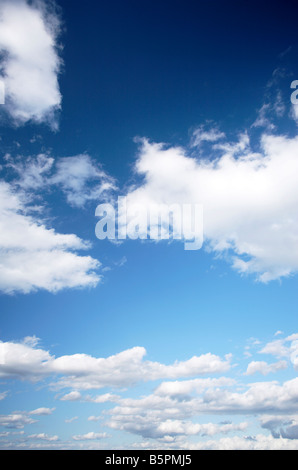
pixel 143 345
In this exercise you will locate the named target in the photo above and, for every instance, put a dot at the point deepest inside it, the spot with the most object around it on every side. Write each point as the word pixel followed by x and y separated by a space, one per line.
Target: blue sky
pixel 142 344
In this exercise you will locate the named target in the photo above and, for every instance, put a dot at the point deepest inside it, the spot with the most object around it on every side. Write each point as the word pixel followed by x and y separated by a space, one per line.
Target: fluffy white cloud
pixel 249 198
pixel 36 257
pixel 31 63
pixel 175 410
pixel 263 368
pixel 285 347
pixel 182 389
pixel 81 371
pixel 258 442
pixel 169 428
pixel 147 415
pixel 71 396
pixel 42 411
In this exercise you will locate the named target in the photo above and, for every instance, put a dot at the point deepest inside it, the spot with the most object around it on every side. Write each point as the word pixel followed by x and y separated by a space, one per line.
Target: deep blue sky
pixel 158 69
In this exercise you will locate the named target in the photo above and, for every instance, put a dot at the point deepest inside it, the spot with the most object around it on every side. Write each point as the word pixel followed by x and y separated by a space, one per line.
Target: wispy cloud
pixel 79 177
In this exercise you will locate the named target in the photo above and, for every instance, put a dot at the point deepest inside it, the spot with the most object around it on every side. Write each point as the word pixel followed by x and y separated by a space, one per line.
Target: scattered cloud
pixel 42 411
pixel 91 436
pixel 3 395
pixel 19 419
pixel 175 410
pixel 71 396
pixel 83 372
pixel 71 420
pixel 258 442
pixel 43 437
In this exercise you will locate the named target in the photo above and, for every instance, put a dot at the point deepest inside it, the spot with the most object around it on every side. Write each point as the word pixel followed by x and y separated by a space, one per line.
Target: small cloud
pixel 71 420
pixel 201 135
pixel 72 396
pixel 91 436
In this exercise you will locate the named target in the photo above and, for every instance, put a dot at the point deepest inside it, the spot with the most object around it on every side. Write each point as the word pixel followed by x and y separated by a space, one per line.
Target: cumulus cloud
pixel 36 257
pixel 19 419
pixel 258 442
pixel 281 426
pixel 16 420
pixel 42 411
pixel 176 408
pixel 263 368
pixel 71 396
pixel 30 60
pixel 83 372
pixel 171 428
pixel 164 416
pixel 249 198
pixel 285 347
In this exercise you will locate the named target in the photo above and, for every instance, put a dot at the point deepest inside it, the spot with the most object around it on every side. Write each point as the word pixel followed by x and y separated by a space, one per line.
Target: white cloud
pixel 36 257
pixel 106 397
pixel 181 389
pixel 90 436
pixel 20 419
pixel 249 199
pixel 258 442
pixel 32 172
pixel 16 420
pixel 43 437
pixel 281 426
pixel 201 135
pixel 81 179
pixel 285 347
pixel 175 409
pixel 263 368
pixel 42 411
pixel 3 395
pixel 161 429
pixel 83 372
pixel 31 63
pixel 146 415
pixel 70 420
pixel 95 418
pixel 276 348
pixel 72 396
